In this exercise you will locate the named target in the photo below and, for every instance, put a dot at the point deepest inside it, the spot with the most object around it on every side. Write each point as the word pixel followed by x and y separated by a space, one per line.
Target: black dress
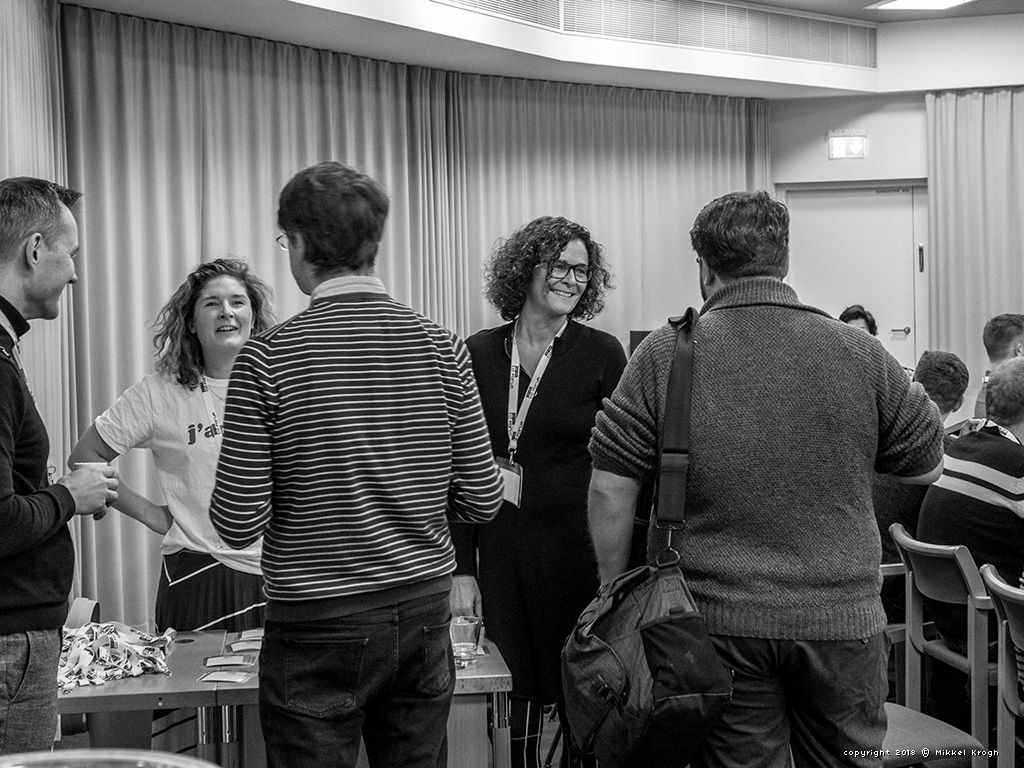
pixel 536 565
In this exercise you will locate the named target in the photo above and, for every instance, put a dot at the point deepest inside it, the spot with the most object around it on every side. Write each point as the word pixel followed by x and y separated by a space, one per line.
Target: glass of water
pixel 465 632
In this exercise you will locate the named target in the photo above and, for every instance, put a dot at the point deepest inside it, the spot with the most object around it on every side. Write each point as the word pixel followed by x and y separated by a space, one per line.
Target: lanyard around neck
pixel 517 415
pixel 218 430
pixel 1002 431
pixel 16 346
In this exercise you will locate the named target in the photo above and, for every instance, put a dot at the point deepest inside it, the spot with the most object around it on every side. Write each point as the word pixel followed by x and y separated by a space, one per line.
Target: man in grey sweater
pixel 792 414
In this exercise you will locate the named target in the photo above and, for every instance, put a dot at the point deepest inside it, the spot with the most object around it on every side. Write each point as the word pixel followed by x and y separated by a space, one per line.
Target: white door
pixel 864 246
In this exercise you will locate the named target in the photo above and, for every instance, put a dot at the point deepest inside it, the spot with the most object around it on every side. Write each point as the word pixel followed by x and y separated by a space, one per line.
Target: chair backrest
pixel 82 611
pixel 1009 602
pixel 946 573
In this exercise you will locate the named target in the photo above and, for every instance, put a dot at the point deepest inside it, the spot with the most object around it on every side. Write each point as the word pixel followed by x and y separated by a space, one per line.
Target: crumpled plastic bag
pixel 95 653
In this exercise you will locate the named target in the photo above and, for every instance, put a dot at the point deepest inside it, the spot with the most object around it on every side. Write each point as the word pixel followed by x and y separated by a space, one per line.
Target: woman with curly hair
pixel 177 412
pixel 542 377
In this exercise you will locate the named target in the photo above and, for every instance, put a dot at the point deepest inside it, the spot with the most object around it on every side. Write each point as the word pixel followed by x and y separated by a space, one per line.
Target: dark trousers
pixel 386 675
pixel 824 700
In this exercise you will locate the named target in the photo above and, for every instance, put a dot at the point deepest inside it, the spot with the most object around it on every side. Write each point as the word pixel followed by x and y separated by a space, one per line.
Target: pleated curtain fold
pixel 976 226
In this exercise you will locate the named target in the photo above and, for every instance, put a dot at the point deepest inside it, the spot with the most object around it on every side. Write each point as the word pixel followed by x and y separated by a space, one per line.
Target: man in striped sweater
pixel 792 414
pixel 352 433
pixel 979 500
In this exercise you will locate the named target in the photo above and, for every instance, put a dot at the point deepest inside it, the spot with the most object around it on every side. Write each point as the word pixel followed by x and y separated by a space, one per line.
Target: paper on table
pixel 233 660
pixel 226 676
pixel 251 634
pixel 245 645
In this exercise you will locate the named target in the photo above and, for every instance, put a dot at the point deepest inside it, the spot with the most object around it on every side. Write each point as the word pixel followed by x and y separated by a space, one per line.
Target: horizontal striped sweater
pixel 978 502
pixel 351 433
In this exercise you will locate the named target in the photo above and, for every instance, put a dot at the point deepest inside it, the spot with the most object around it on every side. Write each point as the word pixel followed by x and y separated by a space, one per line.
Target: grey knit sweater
pixel 792 412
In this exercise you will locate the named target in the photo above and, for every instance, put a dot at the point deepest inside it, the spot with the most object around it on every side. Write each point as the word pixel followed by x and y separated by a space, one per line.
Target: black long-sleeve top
pixel 37 557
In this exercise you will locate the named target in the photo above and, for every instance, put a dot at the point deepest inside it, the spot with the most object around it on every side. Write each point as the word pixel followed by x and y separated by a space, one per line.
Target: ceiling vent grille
pixel 698 24
pixel 544 13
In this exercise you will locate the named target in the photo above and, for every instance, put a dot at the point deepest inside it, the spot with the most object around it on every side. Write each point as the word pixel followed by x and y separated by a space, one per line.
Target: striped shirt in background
pixel 351 432
pixel 978 502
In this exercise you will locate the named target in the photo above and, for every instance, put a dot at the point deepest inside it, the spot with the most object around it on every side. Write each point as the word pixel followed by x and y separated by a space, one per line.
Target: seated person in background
pixel 977 501
pixel 944 377
pixel 1004 339
pixel 857 316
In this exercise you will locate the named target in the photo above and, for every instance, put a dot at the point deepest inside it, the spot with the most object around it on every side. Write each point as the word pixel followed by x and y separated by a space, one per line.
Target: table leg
pixel 206 727
pixel 228 747
pixel 501 734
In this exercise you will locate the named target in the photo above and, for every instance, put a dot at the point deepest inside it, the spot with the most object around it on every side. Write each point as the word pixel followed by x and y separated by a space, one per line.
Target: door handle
pixel 905 330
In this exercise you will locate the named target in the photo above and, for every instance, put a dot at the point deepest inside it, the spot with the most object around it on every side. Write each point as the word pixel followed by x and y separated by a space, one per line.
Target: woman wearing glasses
pixel 177 412
pixel 542 378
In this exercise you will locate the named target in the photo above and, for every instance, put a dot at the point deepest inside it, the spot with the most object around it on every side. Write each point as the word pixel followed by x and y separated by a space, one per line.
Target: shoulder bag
pixel 643 684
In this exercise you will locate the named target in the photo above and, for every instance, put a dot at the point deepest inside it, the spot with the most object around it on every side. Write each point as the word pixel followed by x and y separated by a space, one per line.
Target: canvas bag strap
pixel 674 454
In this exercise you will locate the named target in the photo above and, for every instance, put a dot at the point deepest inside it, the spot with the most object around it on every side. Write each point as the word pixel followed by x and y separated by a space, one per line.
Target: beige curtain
pixel 976 196
pixel 32 144
pixel 182 139
pixel 633 166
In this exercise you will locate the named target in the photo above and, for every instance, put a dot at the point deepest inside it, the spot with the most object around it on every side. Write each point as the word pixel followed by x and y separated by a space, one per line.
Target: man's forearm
pixel 610 512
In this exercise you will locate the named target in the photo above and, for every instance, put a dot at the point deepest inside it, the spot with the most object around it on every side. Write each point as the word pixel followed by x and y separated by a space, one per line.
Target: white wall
pixel 975 52
pixel 896 131
pixel 966 52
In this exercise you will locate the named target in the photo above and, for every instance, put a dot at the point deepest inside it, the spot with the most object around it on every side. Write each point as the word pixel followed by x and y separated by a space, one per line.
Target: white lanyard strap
pixel 16 347
pixel 218 430
pixel 517 415
pixel 1002 431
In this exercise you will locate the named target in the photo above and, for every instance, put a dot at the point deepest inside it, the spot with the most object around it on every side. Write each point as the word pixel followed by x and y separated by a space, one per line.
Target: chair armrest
pixel 892 569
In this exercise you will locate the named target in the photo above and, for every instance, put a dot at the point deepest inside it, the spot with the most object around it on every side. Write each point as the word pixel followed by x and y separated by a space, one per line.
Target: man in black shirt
pixel 38 244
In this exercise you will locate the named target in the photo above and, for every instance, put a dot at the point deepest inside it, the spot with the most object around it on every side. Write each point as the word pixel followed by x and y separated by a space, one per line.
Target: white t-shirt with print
pixel 160 414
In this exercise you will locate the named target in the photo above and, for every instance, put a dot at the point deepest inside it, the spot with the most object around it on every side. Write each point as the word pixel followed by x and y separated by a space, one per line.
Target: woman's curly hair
pixel 509 270
pixel 179 355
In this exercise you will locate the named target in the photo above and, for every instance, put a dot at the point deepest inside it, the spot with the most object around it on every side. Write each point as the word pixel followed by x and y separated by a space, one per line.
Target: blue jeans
pixel 822 700
pixel 28 690
pixel 387 675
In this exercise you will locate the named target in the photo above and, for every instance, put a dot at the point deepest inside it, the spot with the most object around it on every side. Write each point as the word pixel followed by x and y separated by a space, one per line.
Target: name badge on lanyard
pixel 511 472
pixel 512 476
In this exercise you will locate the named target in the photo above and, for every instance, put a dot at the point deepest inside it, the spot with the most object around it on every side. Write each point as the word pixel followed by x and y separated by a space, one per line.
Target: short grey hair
pixel 1004 396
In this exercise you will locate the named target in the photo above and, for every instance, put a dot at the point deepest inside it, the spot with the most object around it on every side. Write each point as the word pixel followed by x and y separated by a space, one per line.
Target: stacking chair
pixel 908 731
pixel 1009 603
pixel 947 574
pixel 82 611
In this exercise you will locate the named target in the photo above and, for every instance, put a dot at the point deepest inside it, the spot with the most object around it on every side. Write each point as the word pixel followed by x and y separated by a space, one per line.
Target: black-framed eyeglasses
pixel 559 269
pixel 282 240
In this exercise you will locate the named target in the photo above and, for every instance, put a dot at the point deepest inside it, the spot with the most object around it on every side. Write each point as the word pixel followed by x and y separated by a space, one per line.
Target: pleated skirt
pixel 197 591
